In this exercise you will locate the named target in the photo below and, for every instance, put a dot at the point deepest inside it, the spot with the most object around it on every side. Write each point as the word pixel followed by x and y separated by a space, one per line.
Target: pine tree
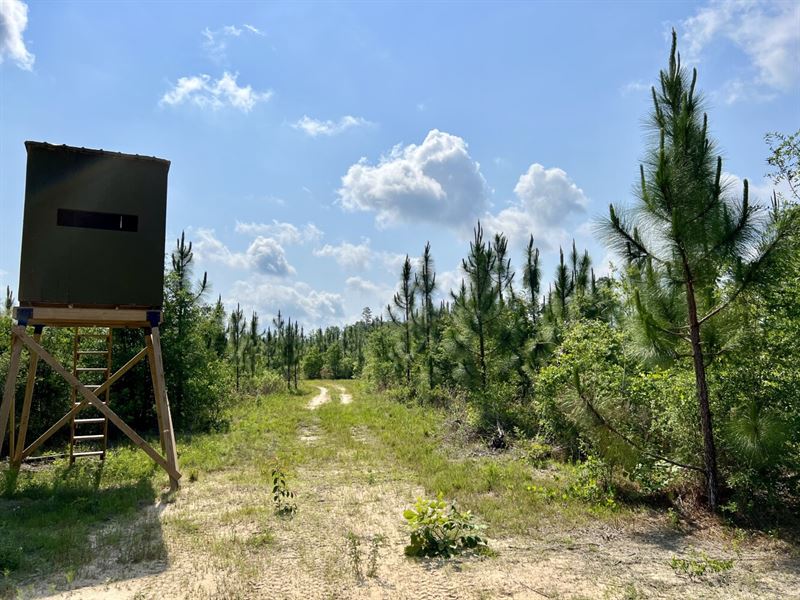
pixel 366 316
pixel 425 283
pixel 692 249
pixel 564 284
pixel 9 304
pixel 502 265
pixel 475 310
pixel 182 307
pixel 532 278
pixel 404 302
pixel 253 344
pixel 236 332
pixel 217 340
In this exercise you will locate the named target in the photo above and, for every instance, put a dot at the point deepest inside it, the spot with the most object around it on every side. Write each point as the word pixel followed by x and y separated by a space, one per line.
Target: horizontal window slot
pixel 88 219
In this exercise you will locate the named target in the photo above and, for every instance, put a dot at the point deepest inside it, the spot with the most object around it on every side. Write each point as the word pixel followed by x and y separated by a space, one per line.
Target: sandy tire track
pixel 320 398
pixel 344 397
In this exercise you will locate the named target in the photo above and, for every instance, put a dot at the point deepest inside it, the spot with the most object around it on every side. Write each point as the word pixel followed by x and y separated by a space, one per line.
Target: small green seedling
pixel 282 496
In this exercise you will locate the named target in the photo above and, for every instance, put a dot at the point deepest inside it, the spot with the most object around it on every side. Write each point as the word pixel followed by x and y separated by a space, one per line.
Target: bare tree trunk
pixel 701 384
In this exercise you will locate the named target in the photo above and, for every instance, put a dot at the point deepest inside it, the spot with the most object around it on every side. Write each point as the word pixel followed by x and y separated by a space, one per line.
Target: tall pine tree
pixel 691 247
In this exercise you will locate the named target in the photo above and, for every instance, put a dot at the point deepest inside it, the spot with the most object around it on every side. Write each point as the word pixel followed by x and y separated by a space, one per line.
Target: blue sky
pixel 313 145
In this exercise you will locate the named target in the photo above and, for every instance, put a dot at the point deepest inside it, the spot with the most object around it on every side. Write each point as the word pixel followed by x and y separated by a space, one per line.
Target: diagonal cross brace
pixel 92 399
pixel 79 407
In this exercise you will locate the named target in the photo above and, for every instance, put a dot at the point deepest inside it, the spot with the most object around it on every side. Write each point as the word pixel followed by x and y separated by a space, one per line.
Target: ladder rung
pixel 92 453
pixel 90 420
pixel 86 438
pixel 91 369
pixel 92 351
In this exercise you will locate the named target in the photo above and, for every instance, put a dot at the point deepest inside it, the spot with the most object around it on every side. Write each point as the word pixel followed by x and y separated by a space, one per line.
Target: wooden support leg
pixel 16 460
pixel 10 387
pixel 160 389
pixel 156 393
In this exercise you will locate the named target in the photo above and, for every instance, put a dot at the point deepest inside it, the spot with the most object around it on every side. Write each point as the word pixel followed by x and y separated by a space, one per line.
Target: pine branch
pixel 607 425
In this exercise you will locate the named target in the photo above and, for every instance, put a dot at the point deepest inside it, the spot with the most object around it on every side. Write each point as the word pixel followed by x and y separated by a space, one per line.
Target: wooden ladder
pixel 91 356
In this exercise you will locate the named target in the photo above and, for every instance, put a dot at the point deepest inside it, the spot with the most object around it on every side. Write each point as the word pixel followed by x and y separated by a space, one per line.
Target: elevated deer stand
pixel 41 317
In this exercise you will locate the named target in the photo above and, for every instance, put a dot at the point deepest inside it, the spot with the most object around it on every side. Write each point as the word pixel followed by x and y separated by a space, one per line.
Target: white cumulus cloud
pixel 264 255
pixel 436 181
pixel 204 91
pixel 365 288
pixel 547 201
pixel 267 256
pixel 283 233
pixel 13 21
pixel 312 308
pixel 347 255
pixel 315 127
pixel 768 33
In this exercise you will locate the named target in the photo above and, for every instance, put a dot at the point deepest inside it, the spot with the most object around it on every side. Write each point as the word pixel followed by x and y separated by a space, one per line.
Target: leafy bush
pixel 593 483
pixel 438 531
pixel 537 452
pixel 265 382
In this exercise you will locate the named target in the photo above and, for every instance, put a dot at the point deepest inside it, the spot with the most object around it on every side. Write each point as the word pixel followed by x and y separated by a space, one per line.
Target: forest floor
pixel 355 461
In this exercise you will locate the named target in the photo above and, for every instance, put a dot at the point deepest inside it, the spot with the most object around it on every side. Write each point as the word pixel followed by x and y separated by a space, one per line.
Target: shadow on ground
pixel 57 522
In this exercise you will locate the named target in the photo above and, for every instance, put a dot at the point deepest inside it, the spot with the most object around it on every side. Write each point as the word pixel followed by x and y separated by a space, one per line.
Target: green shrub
pixel 537 452
pixel 264 383
pixel 438 531
pixel 593 483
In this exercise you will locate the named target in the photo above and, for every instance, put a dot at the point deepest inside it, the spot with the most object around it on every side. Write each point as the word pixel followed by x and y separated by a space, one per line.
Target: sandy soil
pixel 344 397
pixel 320 398
pixel 214 535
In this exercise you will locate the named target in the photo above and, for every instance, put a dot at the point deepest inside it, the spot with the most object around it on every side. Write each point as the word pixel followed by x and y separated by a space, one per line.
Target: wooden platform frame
pixel 41 317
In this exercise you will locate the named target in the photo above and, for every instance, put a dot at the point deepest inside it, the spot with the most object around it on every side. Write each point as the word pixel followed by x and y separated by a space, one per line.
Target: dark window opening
pixel 97 220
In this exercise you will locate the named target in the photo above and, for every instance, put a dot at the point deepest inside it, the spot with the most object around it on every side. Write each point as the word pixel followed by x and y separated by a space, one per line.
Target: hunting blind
pixel 92 260
pixel 93 228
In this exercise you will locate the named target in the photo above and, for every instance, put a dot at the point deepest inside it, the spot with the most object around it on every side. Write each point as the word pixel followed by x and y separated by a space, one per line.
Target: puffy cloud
pixel 370 289
pixel 347 255
pixel 436 181
pixel 393 261
pixel 283 233
pixel 315 127
pixel 550 194
pixel 264 255
pixel 547 200
pixel 208 248
pixel 267 256
pixel 205 92
pixel 767 32
pixel 312 308
pixel 13 21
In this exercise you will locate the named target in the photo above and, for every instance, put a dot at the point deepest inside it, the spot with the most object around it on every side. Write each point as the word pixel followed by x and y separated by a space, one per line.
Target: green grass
pixel 492 486
pixel 49 517
pixel 53 519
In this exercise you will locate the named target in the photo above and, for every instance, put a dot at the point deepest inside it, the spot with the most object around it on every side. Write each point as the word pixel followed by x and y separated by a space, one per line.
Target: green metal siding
pixel 76 263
